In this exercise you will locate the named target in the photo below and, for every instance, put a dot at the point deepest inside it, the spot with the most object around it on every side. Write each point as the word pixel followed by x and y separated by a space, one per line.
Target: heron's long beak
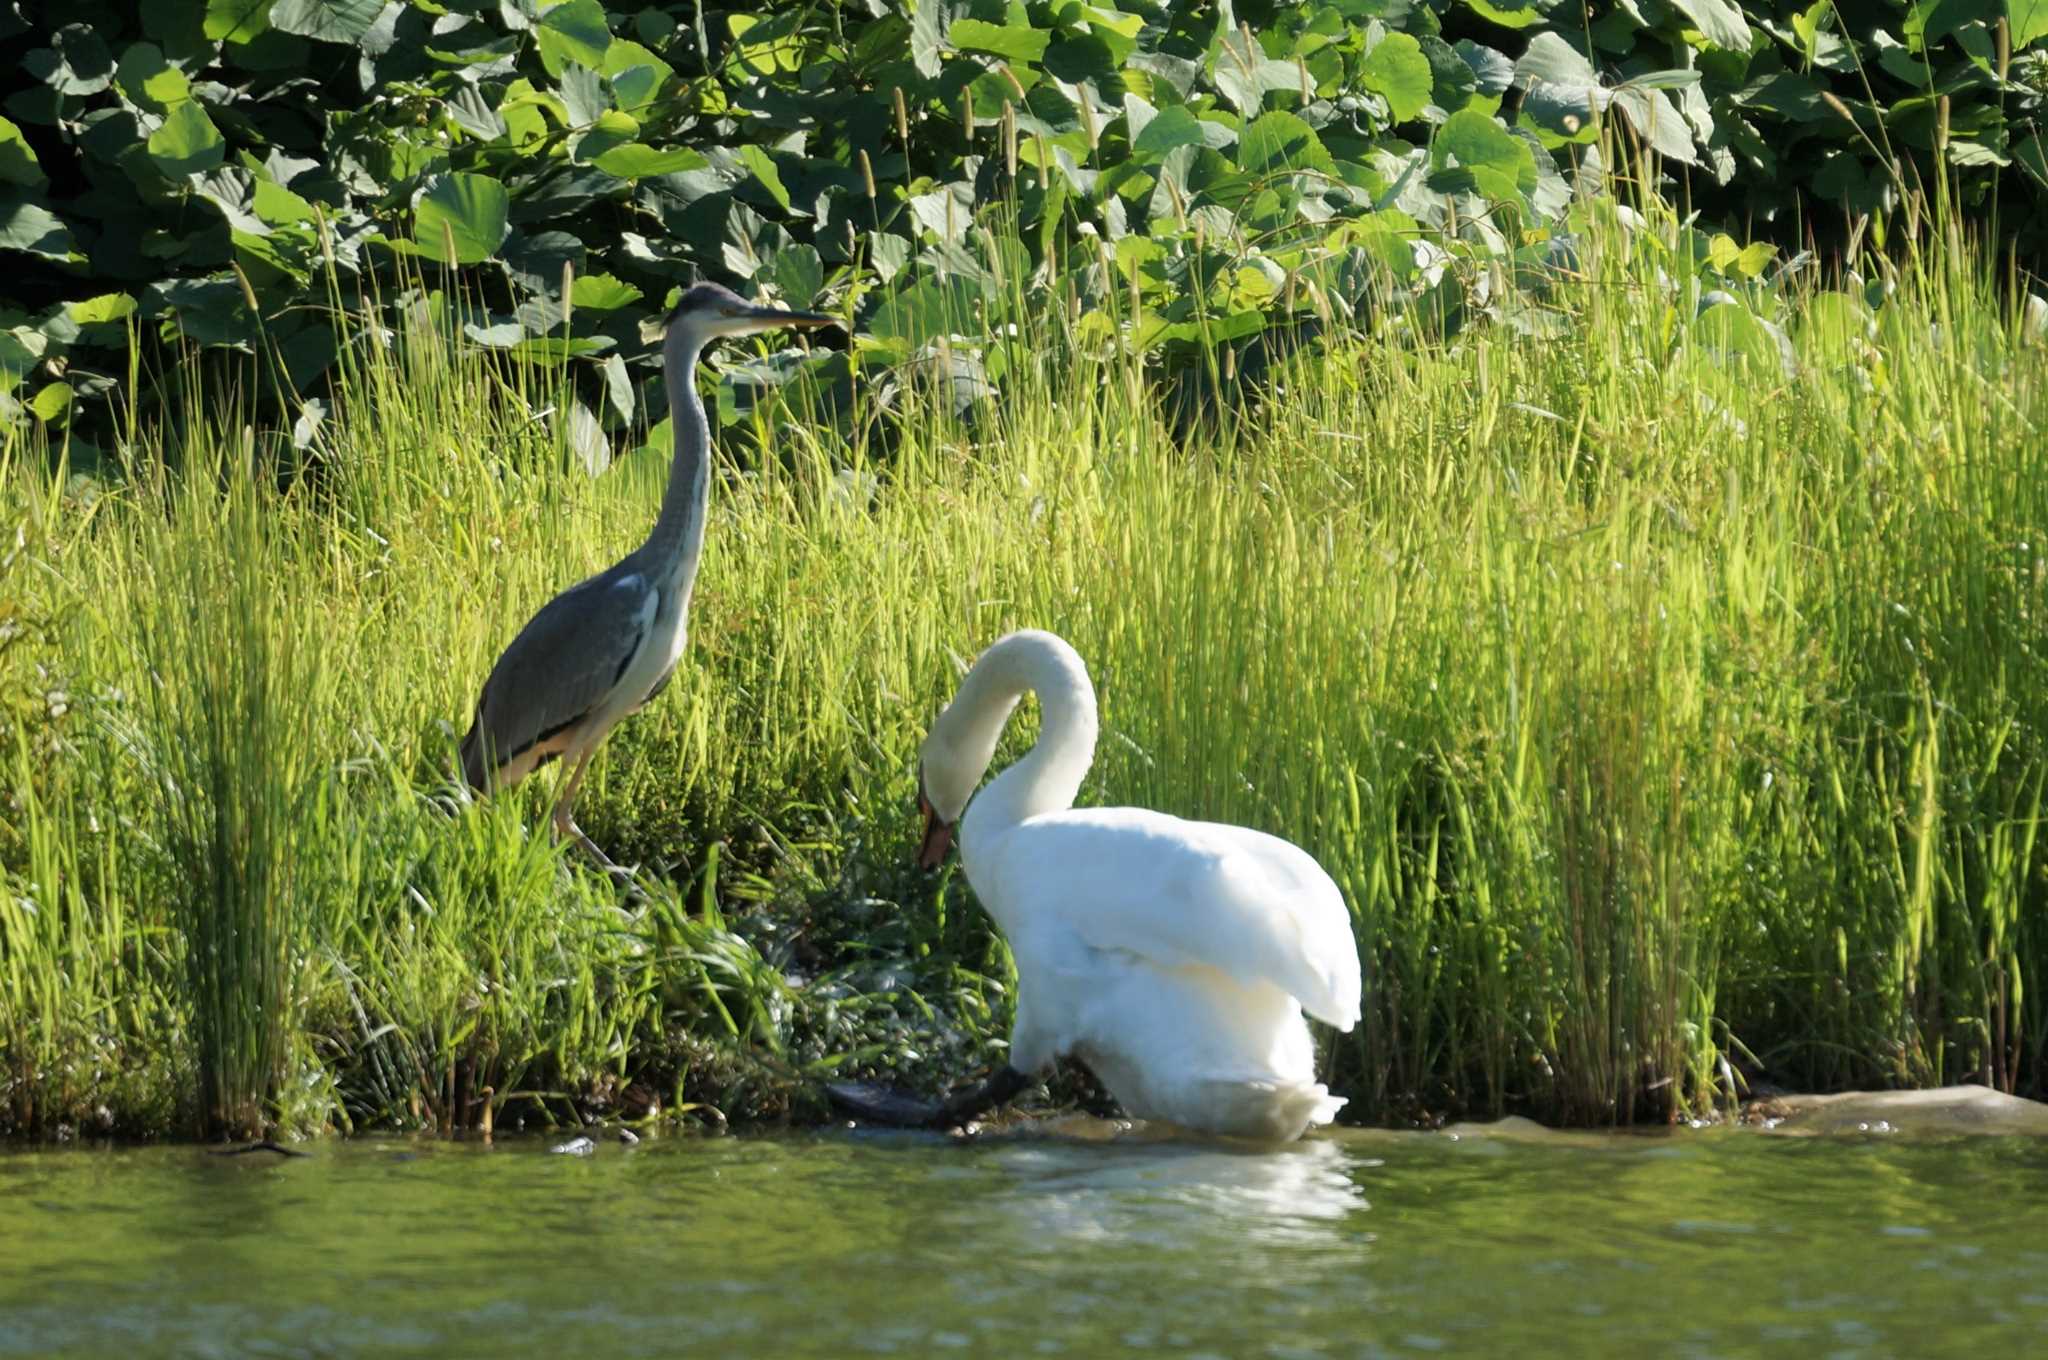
pixel 938 835
pixel 778 316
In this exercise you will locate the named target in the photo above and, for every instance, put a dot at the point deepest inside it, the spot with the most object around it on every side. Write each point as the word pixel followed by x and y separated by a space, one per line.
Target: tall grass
pixel 1668 719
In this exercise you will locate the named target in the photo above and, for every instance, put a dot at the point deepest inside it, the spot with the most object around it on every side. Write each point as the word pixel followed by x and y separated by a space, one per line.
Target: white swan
pixel 1174 958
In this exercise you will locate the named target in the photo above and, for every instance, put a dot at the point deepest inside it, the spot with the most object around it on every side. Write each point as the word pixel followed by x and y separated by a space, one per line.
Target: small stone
pixel 628 1137
pixel 579 1146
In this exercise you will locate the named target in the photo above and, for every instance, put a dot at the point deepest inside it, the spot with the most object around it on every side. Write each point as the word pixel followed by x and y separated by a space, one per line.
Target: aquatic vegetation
pixel 1661 683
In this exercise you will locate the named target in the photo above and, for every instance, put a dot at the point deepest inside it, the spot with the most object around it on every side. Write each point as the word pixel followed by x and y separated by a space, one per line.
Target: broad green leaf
pixel 1658 122
pixel 2032 154
pixel 1743 339
pixel 188 143
pixel 927 25
pixel 610 131
pixel 554 349
pixel 1929 21
pixel 636 160
pixel 335 21
pixel 1171 127
pixel 1501 164
pixel 471 210
pixel 26 224
pixel 1719 22
pixel 928 309
pixel 798 275
pixel 575 31
pixel 105 307
pixel 1507 13
pixel 278 206
pixel 18 164
pixel 1397 71
pixel 2027 20
pixel 634 87
pixel 237 21
pixel 53 402
pixel 1013 42
pixel 1837 327
pixel 1245 74
pixel 1490 67
pixel 1279 141
pixel 148 81
pixel 602 293
pixel 1552 58
pixel 758 161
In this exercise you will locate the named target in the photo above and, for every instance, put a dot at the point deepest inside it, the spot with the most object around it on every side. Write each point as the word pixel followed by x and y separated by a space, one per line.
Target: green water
pixel 1719 1244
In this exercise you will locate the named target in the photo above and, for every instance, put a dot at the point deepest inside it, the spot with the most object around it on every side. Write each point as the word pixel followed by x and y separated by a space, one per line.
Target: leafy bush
pixel 229 175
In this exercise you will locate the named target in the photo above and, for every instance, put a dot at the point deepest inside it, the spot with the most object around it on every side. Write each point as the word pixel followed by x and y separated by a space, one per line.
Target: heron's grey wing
pixel 562 666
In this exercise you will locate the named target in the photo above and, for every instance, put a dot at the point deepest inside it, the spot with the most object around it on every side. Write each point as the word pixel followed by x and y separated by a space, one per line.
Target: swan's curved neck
pixel 672 549
pixel 1049 776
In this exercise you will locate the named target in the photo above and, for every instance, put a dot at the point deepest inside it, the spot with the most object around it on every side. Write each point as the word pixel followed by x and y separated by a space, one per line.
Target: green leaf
pixel 1554 59
pixel 1397 71
pixel 278 206
pixel 1501 164
pixel 52 402
pixel 27 225
pixel 1245 74
pixel 757 160
pixel 237 21
pixel 471 210
pixel 573 32
pixel 635 160
pixel 1013 42
pixel 601 293
pixel 18 164
pixel 2027 20
pixel 149 82
pixel 1508 13
pixel 1658 122
pixel 928 309
pixel 105 307
pixel 798 275
pixel 335 21
pixel 610 131
pixel 1171 127
pixel 1719 22
pixel 1279 141
pixel 188 143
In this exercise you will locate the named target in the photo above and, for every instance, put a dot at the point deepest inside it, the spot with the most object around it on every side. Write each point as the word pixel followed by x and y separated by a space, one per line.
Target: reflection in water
pixel 828 1245
pixel 1162 1195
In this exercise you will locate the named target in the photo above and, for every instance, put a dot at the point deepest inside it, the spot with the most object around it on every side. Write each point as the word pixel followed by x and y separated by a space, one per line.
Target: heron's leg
pixel 565 825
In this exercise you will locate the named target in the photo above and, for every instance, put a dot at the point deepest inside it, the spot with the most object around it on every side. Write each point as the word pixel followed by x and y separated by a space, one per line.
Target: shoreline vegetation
pixel 1664 686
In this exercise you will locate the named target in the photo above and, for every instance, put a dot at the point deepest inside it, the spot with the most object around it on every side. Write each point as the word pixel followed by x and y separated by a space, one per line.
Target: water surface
pixel 831 1244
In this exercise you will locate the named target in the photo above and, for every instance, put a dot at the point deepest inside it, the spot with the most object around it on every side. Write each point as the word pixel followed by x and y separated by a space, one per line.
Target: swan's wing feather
pixel 1177 892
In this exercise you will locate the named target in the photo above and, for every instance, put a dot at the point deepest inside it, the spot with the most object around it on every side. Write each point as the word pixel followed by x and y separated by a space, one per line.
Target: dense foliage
pixel 232 172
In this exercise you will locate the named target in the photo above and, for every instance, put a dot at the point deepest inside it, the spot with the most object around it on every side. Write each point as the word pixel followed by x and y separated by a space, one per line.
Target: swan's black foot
pixel 873 1104
pixel 880 1105
pixel 261 1145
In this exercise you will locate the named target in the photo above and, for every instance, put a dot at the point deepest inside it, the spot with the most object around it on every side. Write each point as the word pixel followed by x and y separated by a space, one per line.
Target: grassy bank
pixel 1667 708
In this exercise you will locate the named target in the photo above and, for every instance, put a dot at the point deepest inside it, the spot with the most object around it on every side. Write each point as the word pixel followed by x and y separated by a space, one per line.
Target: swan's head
pixel 952 761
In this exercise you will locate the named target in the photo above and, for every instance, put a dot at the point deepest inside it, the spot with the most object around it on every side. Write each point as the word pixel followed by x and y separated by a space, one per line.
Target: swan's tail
pixel 1271 1111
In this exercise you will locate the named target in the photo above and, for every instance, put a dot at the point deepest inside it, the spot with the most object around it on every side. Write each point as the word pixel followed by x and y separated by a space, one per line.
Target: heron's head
pixel 707 311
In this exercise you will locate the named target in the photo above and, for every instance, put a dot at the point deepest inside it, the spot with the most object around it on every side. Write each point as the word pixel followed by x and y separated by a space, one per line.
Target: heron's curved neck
pixel 1049 776
pixel 672 549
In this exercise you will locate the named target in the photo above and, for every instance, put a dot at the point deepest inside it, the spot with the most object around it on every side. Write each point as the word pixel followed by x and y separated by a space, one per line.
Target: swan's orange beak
pixel 938 835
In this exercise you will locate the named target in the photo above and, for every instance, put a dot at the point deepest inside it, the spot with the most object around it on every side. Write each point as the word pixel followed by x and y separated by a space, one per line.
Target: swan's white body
pixel 1174 958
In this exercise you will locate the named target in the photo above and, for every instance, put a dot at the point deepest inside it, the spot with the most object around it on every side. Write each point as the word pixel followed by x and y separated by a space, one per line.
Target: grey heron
pixel 605 646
